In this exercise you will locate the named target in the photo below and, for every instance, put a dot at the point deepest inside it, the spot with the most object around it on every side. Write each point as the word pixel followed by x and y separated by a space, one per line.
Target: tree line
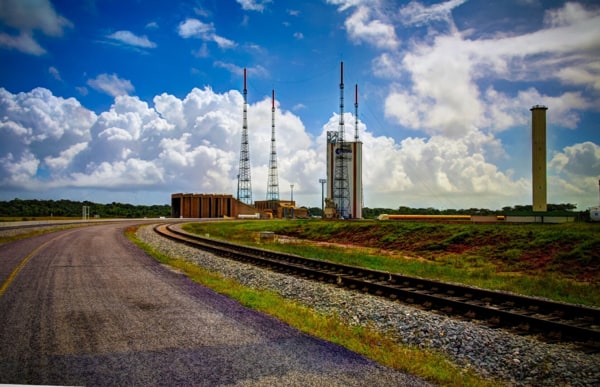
pixel 69 208
pixel 508 210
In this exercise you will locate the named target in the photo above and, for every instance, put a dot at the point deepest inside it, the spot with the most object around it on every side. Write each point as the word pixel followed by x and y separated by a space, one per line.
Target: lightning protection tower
pixel 244 189
pixel 273 183
pixel 341 188
pixel 356 113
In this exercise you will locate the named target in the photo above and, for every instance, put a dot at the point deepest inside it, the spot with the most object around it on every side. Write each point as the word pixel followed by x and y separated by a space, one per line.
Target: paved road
pixel 89 308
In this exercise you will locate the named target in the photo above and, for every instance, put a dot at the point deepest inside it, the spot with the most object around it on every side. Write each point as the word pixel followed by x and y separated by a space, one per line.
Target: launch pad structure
pixel 344 177
pixel 344 165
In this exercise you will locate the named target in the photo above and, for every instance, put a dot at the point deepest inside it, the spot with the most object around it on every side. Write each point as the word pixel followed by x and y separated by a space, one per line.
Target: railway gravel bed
pixel 494 353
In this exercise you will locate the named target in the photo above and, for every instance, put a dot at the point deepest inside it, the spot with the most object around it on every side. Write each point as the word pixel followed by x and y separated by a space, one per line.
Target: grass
pixel 4 239
pixel 559 262
pixel 430 365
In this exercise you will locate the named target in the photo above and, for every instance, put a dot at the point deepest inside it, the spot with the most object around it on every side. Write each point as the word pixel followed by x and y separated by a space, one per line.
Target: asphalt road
pixel 87 307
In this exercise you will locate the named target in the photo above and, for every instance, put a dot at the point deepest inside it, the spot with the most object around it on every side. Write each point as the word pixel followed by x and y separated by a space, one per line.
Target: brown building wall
pixel 188 205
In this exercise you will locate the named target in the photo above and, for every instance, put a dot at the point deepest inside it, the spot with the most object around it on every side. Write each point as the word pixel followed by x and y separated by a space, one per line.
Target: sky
pixel 133 100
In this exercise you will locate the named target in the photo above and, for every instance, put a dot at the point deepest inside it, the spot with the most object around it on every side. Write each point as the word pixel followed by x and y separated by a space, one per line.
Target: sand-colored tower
pixel 538 137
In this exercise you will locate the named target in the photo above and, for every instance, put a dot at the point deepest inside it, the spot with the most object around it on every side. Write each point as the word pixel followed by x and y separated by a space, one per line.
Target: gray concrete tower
pixel 538 137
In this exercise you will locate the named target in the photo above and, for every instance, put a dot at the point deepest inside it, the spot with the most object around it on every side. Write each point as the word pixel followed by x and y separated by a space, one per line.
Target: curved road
pixel 87 307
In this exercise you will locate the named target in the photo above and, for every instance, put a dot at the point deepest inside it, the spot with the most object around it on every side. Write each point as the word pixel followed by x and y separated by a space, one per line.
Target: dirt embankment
pixel 509 248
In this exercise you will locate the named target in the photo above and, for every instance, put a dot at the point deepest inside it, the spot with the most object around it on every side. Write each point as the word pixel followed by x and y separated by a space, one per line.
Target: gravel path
pixel 493 353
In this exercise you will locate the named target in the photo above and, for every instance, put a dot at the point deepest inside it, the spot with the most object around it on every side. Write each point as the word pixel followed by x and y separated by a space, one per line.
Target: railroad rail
pixel 554 321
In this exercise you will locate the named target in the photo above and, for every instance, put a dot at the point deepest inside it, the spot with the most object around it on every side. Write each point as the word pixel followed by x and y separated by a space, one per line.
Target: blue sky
pixel 134 100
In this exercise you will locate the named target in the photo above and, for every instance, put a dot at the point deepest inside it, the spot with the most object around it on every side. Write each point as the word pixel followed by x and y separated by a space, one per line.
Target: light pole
pixel 322 181
pixel 292 199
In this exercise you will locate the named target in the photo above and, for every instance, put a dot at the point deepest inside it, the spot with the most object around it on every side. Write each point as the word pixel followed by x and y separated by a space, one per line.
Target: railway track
pixel 554 321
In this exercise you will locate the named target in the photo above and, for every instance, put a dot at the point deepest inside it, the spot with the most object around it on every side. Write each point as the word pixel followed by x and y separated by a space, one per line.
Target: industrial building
pixel 280 209
pixel 190 205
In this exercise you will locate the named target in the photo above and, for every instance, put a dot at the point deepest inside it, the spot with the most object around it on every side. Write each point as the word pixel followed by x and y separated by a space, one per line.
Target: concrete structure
pixel 538 137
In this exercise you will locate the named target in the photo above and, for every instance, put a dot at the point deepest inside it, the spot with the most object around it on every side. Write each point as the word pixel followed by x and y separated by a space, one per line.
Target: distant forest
pixel 515 210
pixel 68 208
pixel 23 209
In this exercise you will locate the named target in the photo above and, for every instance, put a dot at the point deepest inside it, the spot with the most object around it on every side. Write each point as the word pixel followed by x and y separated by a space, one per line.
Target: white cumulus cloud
pixel 191 144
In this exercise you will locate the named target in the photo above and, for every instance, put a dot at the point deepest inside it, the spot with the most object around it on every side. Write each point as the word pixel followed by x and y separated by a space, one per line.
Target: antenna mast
pixel 244 181
pixel 341 188
pixel 273 183
pixel 356 112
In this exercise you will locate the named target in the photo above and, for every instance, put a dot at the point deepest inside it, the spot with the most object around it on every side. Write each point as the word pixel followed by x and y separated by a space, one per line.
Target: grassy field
pixel 560 262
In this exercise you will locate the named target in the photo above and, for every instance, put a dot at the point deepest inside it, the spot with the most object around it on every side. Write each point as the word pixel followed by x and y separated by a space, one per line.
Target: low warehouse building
pixel 190 205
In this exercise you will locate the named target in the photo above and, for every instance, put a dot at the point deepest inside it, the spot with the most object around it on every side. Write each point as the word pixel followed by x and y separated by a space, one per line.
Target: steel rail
pixel 528 315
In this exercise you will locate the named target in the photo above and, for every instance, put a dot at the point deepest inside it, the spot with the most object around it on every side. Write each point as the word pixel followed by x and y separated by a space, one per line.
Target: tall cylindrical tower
pixel 538 137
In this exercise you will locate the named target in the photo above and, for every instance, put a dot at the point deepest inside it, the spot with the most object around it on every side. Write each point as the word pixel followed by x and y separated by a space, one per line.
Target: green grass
pixel 12 238
pixel 560 262
pixel 432 366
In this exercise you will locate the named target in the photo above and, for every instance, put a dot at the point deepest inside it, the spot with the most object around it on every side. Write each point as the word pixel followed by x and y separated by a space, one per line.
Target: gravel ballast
pixel 493 353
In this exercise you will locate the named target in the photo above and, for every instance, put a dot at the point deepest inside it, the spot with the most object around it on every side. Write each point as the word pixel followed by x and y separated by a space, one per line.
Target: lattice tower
pixel 244 181
pixel 341 186
pixel 273 182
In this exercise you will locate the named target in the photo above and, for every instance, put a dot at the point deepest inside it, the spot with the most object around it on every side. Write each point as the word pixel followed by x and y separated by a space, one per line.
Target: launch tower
pixel 341 189
pixel 344 165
